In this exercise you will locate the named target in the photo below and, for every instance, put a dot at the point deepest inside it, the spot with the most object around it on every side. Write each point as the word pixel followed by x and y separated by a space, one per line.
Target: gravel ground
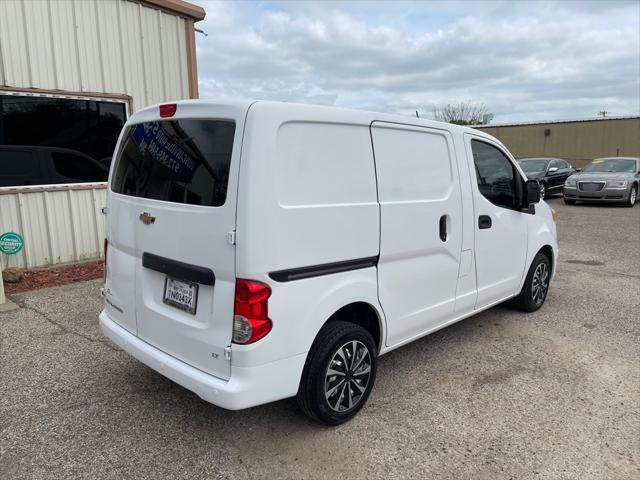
pixel 554 394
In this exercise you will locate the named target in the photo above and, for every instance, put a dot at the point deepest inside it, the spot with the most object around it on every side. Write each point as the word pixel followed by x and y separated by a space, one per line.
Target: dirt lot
pixel 502 395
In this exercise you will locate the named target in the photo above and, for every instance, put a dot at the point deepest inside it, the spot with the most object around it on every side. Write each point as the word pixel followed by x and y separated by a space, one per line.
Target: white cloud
pixel 523 60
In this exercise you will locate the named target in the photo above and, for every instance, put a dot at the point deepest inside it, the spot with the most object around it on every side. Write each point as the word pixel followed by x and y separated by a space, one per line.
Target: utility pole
pixel 603 113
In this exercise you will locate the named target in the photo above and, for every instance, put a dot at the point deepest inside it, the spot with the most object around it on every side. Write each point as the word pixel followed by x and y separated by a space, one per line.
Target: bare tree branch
pixel 463 113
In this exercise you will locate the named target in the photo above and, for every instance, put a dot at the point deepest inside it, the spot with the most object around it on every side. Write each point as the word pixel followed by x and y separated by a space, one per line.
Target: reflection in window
pixel 41 125
pixel 495 174
pixel 181 161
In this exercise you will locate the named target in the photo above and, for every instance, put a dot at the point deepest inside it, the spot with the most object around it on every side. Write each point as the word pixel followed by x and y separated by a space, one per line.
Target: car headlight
pixel 618 184
pixel 570 183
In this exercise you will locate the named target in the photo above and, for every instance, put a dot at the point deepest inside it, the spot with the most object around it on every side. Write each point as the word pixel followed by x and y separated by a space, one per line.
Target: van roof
pixel 342 114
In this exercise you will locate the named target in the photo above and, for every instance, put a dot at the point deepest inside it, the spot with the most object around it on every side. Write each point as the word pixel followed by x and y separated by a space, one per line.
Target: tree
pixel 463 113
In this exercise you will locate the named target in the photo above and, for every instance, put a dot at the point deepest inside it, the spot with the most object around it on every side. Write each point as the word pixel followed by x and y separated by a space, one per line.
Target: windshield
pixel 620 165
pixel 533 166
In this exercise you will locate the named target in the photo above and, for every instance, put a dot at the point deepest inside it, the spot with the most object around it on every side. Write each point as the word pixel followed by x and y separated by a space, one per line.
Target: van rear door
pixel 175 183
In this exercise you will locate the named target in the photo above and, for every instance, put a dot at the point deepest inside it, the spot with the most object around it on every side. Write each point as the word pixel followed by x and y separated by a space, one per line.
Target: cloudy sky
pixel 524 60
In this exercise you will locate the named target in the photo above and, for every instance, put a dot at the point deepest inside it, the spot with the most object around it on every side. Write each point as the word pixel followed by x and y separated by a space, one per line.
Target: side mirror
pixel 553 169
pixel 532 193
pixel 578 169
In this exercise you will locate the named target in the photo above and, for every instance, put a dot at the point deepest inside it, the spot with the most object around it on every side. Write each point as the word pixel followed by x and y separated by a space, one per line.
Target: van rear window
pixel 180 161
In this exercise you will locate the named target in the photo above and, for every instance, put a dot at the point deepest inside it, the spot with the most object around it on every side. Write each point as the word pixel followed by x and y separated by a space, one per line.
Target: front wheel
pixel 569 202
pixel 633 195
pixel 339 373
pixel 536 285
pixel 543 190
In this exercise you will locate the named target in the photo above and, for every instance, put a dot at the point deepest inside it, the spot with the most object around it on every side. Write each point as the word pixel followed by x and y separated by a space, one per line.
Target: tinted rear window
pixel 181 161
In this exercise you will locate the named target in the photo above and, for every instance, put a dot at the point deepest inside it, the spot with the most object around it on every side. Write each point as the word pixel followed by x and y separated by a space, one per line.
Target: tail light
pixel 250 311
pixel 104 267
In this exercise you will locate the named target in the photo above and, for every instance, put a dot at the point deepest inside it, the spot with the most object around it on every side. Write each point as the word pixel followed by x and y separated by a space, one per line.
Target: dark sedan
pixel 551 173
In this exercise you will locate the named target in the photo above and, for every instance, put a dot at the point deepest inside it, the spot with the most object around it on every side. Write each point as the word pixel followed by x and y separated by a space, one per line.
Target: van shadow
pixel 399 368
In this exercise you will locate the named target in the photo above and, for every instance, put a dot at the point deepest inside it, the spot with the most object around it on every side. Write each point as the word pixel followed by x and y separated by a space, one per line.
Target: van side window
pixel 496 175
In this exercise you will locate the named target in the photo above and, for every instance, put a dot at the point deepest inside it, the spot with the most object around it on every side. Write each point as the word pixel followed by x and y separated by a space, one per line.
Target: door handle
pixel 484 221
pixel 443 228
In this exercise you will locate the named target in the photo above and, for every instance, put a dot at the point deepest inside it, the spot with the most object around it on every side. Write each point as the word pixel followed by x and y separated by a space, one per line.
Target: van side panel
pixel 421 227
pixel 307 198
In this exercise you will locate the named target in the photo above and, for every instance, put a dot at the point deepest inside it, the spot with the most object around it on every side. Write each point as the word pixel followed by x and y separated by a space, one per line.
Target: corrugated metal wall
pixel 104 46
pixel 59 225
pixel 580 141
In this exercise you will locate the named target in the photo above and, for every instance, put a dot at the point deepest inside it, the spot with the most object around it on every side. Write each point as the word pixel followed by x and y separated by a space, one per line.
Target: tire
pixel 536 285
pixel 633 195
pixel 543 190
pixel 320 396
pixel 569 202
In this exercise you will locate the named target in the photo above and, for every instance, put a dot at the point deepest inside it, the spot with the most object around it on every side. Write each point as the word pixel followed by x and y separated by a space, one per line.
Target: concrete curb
pixel 8 306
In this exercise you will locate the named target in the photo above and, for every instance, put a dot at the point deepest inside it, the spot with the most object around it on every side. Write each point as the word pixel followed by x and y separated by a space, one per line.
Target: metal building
pixel 579 141
pixel 137 51
pixel 71 72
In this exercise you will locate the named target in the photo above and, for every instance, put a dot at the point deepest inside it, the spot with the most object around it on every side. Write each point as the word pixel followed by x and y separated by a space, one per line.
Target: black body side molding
pixel 179 270
pixel 324 269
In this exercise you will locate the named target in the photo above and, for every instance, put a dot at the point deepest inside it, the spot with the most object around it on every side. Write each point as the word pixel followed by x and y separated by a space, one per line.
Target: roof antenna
pixel 417 116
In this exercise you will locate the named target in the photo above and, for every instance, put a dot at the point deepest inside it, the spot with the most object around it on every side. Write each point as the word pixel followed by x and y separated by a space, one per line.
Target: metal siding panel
pixel 133 59
pixel 10 222
pixel 38 25
pixel 182 48
pixel 87 33
pixel 65 45
pixel 171 53
pixel 13 37
pixel 86 232
pixel 3 80
pixel 62 227
pixel 107 12
pixel 152 60
pixel 35 229
pixel 101 202
pixel 44 219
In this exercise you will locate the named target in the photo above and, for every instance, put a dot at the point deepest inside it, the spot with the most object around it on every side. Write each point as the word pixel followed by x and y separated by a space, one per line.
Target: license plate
pixel 181 294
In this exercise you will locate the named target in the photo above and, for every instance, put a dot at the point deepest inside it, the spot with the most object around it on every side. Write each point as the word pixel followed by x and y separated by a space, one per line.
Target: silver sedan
pixel 612 179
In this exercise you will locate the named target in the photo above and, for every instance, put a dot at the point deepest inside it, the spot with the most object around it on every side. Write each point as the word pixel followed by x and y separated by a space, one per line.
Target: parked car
pixel 551 173
pixel 258 251
pixel 611 179
pixel 22 165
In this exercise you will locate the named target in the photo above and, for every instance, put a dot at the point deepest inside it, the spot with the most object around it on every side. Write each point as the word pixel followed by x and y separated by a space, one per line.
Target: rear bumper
pixel 246 387
pixel 604 195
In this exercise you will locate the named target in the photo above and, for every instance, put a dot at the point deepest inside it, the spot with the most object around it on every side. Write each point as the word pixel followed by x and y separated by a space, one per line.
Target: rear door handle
pixel 443 228
pixel 484 221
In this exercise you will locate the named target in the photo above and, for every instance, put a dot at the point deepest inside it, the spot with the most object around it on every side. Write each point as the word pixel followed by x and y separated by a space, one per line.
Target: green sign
pixel 11 243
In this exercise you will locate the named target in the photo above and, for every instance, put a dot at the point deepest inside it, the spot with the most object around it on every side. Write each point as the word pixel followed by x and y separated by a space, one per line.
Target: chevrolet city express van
pixel 258 251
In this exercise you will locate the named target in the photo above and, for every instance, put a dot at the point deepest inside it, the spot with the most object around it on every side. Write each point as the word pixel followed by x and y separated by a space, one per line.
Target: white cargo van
pixel 257 251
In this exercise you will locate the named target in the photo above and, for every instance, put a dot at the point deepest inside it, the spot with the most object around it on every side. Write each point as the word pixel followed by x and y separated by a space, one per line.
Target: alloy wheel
pixel 347 376
pixel 540 283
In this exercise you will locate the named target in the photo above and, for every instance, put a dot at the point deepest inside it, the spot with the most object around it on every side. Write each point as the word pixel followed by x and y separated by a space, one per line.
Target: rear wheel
pixel 536 285
pixel 633 195
pixel 339 373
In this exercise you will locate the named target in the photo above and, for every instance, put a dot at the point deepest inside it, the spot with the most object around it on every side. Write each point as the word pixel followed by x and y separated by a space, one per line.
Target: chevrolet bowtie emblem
pixel 146 218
